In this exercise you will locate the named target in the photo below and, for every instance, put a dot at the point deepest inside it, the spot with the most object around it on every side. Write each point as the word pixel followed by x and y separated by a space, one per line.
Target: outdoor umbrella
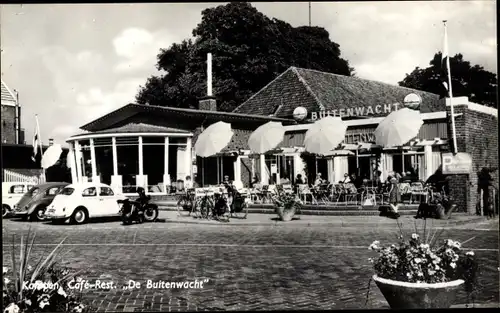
pixel 70 159
pixel 266 137
pixel 213 139
pixel 325 135
pixel 51 155
pixel 398 128
pixel 338 153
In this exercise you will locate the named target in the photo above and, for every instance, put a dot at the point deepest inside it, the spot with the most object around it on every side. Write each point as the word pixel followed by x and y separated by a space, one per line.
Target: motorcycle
pixel 131 211
pixel 139 210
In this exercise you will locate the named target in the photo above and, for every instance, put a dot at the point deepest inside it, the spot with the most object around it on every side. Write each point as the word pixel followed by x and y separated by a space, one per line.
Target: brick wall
pixel 477 134
pixel 246 172
pixel 8 124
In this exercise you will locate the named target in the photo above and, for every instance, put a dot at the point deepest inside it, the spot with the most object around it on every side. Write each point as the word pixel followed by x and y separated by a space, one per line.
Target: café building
pixel 151 146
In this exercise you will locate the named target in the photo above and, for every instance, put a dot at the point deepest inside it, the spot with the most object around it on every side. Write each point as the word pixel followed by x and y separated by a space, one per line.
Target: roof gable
pixel 318 91
pixel 281 96
pixel 7 96
pixel 341 92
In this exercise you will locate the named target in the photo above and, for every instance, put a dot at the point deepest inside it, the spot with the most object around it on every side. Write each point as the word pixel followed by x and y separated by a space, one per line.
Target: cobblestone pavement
pixel 244 267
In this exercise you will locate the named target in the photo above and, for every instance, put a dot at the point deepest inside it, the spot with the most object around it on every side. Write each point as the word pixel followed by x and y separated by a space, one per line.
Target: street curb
pixel 343 224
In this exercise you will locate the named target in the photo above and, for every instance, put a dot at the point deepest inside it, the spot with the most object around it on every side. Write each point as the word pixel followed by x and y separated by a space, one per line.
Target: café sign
pixel 461 163
pixel 357 111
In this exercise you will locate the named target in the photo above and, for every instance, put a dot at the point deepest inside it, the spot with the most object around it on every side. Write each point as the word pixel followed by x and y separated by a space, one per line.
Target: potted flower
pixel 414 274
pixel 43 287
pixel 286 206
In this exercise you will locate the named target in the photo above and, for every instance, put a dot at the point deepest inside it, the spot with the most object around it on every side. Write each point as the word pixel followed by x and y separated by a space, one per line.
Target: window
pixel 34 191
pixel 52 191
pixel 89 192
pixel 18 189
pixel 67 191
pixel 106 191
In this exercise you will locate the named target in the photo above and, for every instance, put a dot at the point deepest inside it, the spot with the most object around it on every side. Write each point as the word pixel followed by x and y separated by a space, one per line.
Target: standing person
pixel 318 180
pixel 188 184
pixel 299 180
pixel 230 192
pixel 394 196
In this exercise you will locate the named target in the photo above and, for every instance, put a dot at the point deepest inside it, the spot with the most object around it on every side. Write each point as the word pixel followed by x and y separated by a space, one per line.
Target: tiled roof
pixel 317 91
pixel 138 128
pixel 7 97
pixel 199 115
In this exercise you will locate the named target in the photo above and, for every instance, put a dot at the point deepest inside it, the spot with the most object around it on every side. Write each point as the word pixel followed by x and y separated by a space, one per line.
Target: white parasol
pixel 51 156
pixel 213 139
pixel 70 159
pixel 325 135
pixel 398 128
pixel 266 137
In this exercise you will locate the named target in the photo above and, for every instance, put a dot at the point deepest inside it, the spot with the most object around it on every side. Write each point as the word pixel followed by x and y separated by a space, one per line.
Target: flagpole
pixel 453 130
pixel 40 145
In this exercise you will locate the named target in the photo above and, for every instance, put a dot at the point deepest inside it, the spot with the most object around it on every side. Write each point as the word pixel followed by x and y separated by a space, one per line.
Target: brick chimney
pixel 208 103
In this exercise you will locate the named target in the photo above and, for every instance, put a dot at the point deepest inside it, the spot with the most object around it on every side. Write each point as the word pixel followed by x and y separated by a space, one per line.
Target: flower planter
pixel 285 215
pixel 403 295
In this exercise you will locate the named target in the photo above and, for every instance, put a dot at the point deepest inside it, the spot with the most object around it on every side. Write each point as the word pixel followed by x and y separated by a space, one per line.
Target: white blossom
pixel 470 253
pixel 5 270
pixel 418 260
pixel 12 308
pixel 6 281
pixel 374 245
pixel 61 292
pixel 415 236
pixel 453 265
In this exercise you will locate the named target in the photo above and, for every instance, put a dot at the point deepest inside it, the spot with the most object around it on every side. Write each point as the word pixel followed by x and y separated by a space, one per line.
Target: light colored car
pixel 12 192
pixel 33 204
pixel 82 201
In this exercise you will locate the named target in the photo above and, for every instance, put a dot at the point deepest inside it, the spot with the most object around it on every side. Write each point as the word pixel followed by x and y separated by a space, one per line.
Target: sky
pixel 72 63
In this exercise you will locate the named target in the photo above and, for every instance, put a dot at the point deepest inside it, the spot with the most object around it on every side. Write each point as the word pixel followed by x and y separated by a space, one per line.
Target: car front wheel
pixel 5 210
pixel 38 214
pixel 79 216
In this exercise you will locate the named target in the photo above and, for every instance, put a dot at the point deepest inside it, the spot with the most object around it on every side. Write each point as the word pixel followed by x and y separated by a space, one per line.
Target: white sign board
pixel 274 168
pixel 461 163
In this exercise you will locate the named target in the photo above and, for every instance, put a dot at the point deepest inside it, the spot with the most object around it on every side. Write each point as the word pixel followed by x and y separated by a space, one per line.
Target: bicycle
pixel 204 204
pixel 186 202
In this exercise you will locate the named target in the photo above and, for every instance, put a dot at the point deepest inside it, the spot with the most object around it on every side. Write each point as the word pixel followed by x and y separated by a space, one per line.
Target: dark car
pixel 33 204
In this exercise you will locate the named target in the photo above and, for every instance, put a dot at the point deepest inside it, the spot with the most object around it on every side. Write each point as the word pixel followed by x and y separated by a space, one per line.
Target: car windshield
pixel 67 191
pixel 34 191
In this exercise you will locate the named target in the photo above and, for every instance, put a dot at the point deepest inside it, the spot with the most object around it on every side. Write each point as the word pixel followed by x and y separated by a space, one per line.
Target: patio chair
pixel 405 191
pixel 418 190
pixel 256 193
pixel 288 189
pixel 267 191
pixel 322 194
pixel 305 192
pixel 350 194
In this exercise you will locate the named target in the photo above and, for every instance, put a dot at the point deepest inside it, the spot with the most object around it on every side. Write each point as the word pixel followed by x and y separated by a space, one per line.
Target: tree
pixel 467 80
pixel 249 50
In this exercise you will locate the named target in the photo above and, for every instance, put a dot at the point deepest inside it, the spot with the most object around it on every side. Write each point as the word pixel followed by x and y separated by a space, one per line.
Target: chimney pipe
pixel 51 141
pixel 17 119
pixel 209 74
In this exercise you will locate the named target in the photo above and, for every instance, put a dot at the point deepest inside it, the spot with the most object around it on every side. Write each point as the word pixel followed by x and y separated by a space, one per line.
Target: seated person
pixel 255 181
pixel 347 179
pixel 284 181
pixel 318 180
pixel 407 178
pixel 188 184
pixel 299 180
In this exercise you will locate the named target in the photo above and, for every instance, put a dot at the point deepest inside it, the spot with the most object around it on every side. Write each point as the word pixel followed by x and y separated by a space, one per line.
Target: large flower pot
pixel 403 295
pixel 285 215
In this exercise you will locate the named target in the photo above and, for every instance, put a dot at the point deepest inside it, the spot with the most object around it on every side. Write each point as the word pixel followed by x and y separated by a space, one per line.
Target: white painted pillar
pixel 115 156
pixel 74 176
pixel 166 176
pixel 93 162
pixel 116 179
pixel 427 162
pixel 141 157
pixel 140 179
pixel 264 178
pixel 237 169
pixel 189 158
pixel 78 161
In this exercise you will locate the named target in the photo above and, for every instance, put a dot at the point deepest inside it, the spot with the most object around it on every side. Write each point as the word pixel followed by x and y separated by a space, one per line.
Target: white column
pixel 264 178
pixel 95 178
pixel 115 156
pixel 141 157
pixel 383 167
pixel 140 179
pixel 78 161
pixel 166 176
pixel 116 179
pixel 237 169
pixel 189 158
pixel 74 176
pixel 427 161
